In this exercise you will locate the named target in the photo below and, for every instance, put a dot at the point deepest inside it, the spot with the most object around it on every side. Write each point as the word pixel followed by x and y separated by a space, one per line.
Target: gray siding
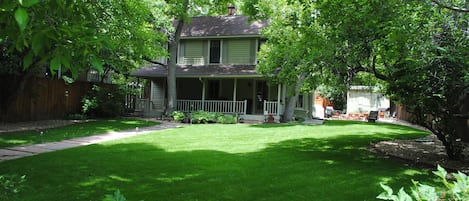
pixel 233 51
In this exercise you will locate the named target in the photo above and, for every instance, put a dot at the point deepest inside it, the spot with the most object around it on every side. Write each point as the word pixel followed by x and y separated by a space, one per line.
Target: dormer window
pixel 215 51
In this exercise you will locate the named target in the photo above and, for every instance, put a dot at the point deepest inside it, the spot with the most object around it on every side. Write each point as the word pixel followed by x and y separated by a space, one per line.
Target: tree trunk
pixel 292 99
pixel 171 79
pixel 173 50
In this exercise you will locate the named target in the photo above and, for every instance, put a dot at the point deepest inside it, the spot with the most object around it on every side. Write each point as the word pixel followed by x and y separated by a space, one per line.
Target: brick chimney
pixel 231 10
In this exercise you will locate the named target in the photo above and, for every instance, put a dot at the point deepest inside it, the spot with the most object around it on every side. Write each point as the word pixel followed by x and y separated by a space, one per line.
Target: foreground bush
pixel 457 190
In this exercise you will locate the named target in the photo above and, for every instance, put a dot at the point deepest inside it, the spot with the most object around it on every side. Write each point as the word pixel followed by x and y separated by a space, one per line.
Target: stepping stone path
pixel 10 153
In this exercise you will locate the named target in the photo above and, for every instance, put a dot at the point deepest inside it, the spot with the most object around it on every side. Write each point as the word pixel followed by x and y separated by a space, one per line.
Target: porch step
pixel 250 117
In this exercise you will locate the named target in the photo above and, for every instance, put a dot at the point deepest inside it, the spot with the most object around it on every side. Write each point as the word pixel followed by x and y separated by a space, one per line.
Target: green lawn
pixel 224 162
pixel 70 131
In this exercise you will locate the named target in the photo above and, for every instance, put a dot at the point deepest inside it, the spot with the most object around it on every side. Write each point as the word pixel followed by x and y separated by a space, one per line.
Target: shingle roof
pixel 156 70
pixel 215 26
pixel 211 26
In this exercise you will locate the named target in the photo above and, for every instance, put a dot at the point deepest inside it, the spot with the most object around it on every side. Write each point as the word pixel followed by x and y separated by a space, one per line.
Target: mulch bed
pixel 425 152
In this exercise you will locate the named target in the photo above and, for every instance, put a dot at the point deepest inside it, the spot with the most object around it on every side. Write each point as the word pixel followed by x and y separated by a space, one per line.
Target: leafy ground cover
pixel 70 131
pixel 224 162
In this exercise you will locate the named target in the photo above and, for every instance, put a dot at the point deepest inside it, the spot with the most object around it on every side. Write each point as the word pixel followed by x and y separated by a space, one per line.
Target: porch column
pixel 235 88
pixel 279 90
pixel 203 93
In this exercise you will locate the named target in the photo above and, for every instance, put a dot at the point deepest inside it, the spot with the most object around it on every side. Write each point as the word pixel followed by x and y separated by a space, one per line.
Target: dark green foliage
pixel 418 51
pixel 436 90
pixel 103 102
pixel 203 117
pixel 178 116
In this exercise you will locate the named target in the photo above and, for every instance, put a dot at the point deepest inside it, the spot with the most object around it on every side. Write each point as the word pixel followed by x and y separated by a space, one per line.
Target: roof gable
pixel 219 26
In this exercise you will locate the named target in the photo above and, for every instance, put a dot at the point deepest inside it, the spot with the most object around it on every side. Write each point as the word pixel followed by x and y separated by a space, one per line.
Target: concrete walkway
pixel 9 153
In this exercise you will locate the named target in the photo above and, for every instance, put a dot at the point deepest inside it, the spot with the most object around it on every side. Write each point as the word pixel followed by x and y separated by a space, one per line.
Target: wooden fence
pixel 44 99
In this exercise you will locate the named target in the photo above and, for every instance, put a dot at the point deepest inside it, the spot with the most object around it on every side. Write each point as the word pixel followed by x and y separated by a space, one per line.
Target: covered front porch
pixel 251 97
pixel 228 89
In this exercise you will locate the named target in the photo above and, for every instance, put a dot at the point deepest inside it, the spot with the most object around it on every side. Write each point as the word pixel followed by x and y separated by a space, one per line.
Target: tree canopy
pixel 291 54
pixel 76 35
pixel 38 38
pixel 418 49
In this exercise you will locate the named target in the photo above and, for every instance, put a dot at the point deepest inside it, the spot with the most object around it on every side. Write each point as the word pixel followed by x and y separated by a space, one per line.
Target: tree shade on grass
pixel 224 162
pixel 70 131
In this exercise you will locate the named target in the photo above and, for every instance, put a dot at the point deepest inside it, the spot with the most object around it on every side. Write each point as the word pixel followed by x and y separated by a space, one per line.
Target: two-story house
pixel 216 71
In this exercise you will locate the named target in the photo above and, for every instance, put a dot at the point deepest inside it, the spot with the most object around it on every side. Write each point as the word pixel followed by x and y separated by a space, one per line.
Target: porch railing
pixel 271 107
pixel 142 104
pixel 222 106
pixel 145 105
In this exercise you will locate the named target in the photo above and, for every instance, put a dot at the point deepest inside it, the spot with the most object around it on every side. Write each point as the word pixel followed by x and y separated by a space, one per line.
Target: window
pixel 215 48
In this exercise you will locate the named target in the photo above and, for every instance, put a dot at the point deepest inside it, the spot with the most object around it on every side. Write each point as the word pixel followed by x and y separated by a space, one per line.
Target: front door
pixel 262 93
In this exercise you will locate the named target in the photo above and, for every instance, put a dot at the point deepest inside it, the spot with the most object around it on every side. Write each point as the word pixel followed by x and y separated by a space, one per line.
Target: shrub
pixel 200 117
pixel 203 117
pixel 178 116
pixel 227 119
pixel 457 190
pixel 103 102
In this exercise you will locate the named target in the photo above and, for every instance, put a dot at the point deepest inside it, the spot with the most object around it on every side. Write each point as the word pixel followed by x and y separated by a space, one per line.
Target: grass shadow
pixel 334 168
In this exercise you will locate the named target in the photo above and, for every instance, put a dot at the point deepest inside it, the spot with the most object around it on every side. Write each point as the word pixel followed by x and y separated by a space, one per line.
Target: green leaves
pixel 76 35
pixel 457 191
pixel 22 18
pixel 55 63
pixel 97 64
pixel 28 3
pixel 21 15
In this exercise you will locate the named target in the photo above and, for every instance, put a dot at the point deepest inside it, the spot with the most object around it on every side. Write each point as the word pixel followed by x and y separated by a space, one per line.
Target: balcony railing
pixel 221 106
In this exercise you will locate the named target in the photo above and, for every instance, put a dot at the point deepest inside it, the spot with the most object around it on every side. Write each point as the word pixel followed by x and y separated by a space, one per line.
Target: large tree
pixel 181 11
pixel 418 49
pixel 291 53
pixel 74 36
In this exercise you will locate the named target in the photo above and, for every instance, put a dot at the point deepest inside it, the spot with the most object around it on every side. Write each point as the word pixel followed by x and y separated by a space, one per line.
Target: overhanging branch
pixel 453 8
pixel 155 62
